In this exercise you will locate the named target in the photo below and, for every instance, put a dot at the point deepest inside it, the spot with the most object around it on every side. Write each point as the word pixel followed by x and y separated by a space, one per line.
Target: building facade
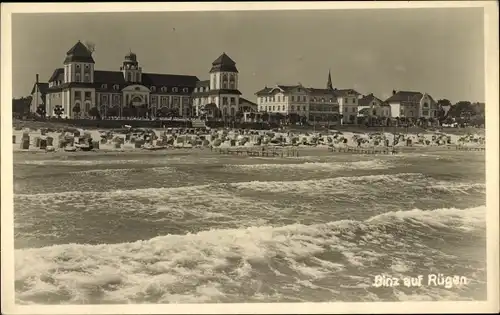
pixel 412 105
pixel 315 104
pixel 78 90
pixel 220 91
pixel 371 106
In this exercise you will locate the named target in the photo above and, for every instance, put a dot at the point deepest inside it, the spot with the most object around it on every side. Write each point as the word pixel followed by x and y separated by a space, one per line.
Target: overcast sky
pixel 439 51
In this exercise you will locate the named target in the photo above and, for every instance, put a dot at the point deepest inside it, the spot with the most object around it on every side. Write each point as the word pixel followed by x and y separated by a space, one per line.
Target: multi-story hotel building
pixel 77 88
pixel 328 104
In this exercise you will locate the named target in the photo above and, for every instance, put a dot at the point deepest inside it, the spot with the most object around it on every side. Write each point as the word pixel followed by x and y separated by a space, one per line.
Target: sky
pixel 438 51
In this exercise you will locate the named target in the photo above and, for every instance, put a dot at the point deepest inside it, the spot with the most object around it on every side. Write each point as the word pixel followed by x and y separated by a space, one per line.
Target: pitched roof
pixel 57 75
pixel 109 77
pixel 42 87
pixel 368 99
pixel 203 83
pixel 244 100
pixel 224 63
pixel 169 80
pixel 404 96
pixel 224 91
pixel 345 92
pixel 314 91
pixel 79 53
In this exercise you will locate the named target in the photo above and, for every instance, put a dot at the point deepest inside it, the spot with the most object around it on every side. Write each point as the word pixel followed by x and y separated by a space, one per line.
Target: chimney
pixel 393 92
pixel 37 78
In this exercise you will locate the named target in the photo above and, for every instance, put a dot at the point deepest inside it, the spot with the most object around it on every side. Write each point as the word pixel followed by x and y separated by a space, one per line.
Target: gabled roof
pixel 57 75
pixel 265 90
pixel 42 87
pixel 368 99
pixel 405 96
pixel 224 63
pixel 223 91
pixel 79 53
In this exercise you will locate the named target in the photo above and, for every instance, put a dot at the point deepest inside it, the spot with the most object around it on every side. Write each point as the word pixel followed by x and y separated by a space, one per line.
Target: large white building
pixel 413 105
pixel 328 104
pixel 79 90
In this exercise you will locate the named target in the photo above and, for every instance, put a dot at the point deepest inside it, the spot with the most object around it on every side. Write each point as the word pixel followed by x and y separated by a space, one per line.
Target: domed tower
pixel 79 64
pixel 130 69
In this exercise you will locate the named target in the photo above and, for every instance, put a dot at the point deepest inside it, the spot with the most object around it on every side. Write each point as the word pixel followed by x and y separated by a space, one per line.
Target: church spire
pixel 329 84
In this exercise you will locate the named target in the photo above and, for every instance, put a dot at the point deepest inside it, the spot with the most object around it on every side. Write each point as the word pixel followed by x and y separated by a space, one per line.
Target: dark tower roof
pixel 131 57
pixel 79 53
pixel 329 84
pixel 224 63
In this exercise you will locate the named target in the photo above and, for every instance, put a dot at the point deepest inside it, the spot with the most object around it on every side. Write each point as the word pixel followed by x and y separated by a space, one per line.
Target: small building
pixel 371 106
pixel 409 104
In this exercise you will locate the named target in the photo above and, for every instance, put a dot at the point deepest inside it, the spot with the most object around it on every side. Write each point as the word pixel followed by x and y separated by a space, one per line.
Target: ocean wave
pixel 226 265
pixel 124 171
pixel 320 166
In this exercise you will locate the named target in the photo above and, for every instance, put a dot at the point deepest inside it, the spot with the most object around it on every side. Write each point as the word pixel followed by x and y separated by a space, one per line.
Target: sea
pixel 206 228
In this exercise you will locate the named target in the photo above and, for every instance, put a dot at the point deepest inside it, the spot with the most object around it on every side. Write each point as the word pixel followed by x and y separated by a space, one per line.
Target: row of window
pixel 152 88
pixel 274 108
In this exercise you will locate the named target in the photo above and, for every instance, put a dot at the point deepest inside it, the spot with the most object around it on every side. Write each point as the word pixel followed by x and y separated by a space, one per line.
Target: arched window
pixel 185 90
pixel 175 90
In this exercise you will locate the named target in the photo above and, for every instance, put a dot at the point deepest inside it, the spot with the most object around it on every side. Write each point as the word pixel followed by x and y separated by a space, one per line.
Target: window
pixel 87 66
pixel 323 100
pixel 293 98
pixel 153 89
pixel 175 90
pixel 425 113
pixel 304 99
pixel 346 101
pixel 353 100
pixel 185 90
pixel 304 108
pixel 266 98
pixel 77 77
pixel 345 109
pixel 163 89
pixel 105 99
pixel 293 107
pixel 233 101
pixel 426 105
pixel 86 77
pixel 279 98
pixel 88 95
pixel 116 87
pixel 78 66
pixel 78 95
pixel 104 86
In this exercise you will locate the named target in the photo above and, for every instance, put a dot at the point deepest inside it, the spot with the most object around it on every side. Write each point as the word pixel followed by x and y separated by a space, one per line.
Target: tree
pixel 461 109
pixel 94 113
pixel 239 115
pixel 265 116
pixel 113 111
pixel 303 120
pixel 294 118
pixel 40 110
pixel 58 111
pixel 76 110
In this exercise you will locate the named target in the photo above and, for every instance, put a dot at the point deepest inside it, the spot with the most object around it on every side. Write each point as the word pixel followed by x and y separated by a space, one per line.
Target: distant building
pixel 371 106
pixel 78 90
pixel 313 103
pixel 413 105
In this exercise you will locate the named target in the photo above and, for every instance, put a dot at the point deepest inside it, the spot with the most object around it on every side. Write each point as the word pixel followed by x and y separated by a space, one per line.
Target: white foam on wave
pixel 320 166
pixel 208 265
pixel 124 171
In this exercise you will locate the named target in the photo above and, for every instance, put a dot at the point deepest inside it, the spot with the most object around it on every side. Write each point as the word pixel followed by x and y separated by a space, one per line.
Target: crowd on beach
pixel 128 138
